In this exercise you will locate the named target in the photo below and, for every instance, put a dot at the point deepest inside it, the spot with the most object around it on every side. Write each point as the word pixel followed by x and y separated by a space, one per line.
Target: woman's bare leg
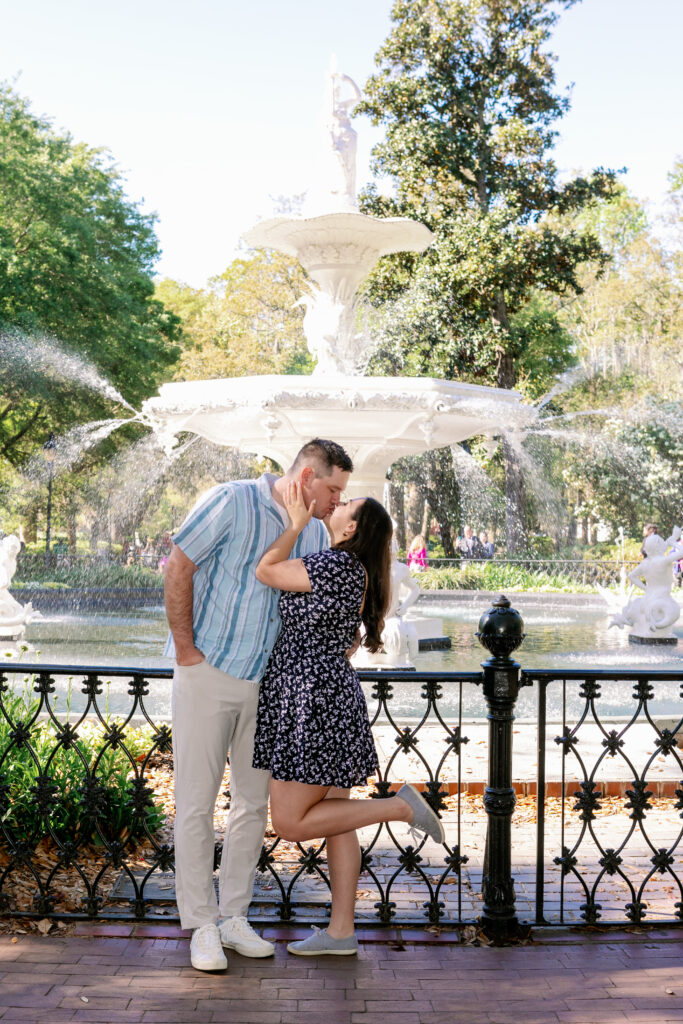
pixel 343 861
pixel 300 812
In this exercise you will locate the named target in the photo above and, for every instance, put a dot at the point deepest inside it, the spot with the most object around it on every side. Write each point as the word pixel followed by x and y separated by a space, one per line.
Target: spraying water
pixel 48 357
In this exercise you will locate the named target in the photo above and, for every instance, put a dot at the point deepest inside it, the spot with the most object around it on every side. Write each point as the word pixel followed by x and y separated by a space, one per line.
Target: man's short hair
pixel 326 454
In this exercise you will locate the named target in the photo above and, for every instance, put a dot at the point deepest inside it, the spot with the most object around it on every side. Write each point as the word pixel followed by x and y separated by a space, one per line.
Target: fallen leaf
pixel 44 926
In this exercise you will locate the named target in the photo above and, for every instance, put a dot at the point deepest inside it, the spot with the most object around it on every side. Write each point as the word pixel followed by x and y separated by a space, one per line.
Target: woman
pixel 313 732
pixel 417 553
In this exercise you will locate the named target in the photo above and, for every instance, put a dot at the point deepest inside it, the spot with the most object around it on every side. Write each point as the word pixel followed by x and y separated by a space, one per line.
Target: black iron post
pixel 49 451
pixel 501 631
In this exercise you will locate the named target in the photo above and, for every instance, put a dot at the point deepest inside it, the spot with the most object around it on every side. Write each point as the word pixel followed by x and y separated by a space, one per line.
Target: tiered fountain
pixel 377 419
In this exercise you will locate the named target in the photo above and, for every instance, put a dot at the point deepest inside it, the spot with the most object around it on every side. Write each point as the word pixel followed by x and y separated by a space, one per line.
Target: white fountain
pixel 651 616
pixel 377 419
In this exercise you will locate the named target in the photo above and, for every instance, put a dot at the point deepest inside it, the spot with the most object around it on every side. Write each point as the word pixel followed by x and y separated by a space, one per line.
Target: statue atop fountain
pixel 652 615
pixel 334 189
pixel 14 617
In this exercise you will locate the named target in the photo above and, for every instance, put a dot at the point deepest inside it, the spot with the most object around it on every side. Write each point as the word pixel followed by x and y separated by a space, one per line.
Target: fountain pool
pixel 561 633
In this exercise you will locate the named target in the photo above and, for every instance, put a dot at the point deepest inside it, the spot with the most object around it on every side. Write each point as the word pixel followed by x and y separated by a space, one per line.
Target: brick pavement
pixel 141 974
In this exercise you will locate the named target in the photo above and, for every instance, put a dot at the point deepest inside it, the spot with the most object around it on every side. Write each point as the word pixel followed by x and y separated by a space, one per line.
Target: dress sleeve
pixel 337 579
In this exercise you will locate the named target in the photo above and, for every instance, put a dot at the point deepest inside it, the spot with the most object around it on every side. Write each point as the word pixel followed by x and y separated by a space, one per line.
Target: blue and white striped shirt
pixel 236 618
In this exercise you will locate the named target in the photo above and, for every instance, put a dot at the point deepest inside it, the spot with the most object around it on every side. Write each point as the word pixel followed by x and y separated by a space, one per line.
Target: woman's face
pixel 341 522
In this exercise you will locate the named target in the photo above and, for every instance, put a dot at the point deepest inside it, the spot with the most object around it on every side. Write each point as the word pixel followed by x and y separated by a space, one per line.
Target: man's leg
pixel 248 810
pixel 203 722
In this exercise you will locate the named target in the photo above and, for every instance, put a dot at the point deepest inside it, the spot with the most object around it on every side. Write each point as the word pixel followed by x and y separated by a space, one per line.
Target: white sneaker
pixel 206 951
pixel 236 933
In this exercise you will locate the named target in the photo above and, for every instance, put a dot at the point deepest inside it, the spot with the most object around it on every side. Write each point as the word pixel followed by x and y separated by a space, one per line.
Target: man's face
pixel 327 490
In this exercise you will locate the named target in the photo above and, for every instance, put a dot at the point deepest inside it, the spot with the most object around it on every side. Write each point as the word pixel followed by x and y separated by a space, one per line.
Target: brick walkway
pixel 142 974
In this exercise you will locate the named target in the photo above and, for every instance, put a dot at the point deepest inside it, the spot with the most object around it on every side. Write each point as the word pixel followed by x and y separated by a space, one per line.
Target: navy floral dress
pixel 312 723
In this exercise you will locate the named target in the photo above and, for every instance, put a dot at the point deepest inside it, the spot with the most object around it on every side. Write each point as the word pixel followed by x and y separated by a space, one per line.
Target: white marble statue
pixel 399 639
pixel 652 615
pixel 14 617
pixel 343 136
pixel 335 185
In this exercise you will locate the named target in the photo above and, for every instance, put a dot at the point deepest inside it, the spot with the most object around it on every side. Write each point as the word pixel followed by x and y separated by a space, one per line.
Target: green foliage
pixel 468 128
pixel 34 573
pixel 248 321
pixel 498 577
pixel 72 772
pixel 635 473
pixel 76 259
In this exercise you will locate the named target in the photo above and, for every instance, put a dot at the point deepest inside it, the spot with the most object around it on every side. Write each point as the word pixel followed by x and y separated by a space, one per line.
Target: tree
pixel 77 300
pixel 248 321
pixel 465 95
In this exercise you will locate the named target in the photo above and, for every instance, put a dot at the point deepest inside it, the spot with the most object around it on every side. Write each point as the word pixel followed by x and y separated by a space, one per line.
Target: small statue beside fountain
pixel 399 639
pixel 14 617
pixel 652 615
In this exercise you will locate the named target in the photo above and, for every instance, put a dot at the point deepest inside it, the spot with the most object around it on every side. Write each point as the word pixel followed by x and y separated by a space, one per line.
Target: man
pixel 488 548
pixel 469 545
pixel 223 626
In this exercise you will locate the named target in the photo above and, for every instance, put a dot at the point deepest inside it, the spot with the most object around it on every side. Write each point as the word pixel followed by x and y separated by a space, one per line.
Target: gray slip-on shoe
pixel 424 819
pixel 322 944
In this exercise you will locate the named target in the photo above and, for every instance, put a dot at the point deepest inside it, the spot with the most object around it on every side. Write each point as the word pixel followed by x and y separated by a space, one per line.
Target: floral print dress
pixel 312 723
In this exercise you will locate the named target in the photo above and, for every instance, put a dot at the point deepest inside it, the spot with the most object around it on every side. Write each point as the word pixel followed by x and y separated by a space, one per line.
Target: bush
pixel 77 792
pixel 34 574
pixel 497 576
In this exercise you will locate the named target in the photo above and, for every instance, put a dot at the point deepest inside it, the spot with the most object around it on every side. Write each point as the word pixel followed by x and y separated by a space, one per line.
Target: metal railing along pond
pixel 586 572
pixel 86 801
pixel 604 572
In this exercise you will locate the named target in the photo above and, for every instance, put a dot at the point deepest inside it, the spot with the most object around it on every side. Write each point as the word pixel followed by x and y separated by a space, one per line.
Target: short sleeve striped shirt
pixel 236 618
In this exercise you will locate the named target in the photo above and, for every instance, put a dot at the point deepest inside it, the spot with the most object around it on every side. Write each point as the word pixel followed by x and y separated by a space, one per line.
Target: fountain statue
pixel 652 615
pixel 377 419
pixel 14 617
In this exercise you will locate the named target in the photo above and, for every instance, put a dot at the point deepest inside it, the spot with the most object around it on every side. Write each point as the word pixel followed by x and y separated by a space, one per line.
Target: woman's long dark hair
pixel 371 544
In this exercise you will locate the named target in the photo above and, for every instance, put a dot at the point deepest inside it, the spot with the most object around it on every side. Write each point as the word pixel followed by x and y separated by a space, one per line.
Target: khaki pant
pixel 215 714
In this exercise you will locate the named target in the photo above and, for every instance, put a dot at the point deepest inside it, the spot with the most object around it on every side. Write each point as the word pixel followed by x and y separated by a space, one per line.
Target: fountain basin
pixel 377 419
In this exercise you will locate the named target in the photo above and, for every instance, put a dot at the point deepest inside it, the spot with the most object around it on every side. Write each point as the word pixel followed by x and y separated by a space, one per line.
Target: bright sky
pixel 211 108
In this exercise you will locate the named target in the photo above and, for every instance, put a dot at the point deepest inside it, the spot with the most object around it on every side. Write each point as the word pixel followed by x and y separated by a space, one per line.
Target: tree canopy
pixel 248 320
pixel 76 292
pixel 465 92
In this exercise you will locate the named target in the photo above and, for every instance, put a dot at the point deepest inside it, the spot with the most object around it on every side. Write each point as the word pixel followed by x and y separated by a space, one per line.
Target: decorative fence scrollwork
pixel 86 803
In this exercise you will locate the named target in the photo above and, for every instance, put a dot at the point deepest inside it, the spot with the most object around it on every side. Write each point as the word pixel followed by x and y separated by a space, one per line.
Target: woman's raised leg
pixel 300 812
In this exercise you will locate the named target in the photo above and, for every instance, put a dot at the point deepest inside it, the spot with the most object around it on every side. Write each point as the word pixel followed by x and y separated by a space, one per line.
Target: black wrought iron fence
pixel 86 804
pixel 86 808
pixel 612 852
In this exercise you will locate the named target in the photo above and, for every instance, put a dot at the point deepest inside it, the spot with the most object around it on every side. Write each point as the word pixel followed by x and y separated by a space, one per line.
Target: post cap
pixel 501 629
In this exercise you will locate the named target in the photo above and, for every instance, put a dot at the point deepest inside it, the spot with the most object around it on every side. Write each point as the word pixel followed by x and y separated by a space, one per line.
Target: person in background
pixel 469 545
pixel 224 623
pixel 648 530
pixel 417 553
pixel 488 548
